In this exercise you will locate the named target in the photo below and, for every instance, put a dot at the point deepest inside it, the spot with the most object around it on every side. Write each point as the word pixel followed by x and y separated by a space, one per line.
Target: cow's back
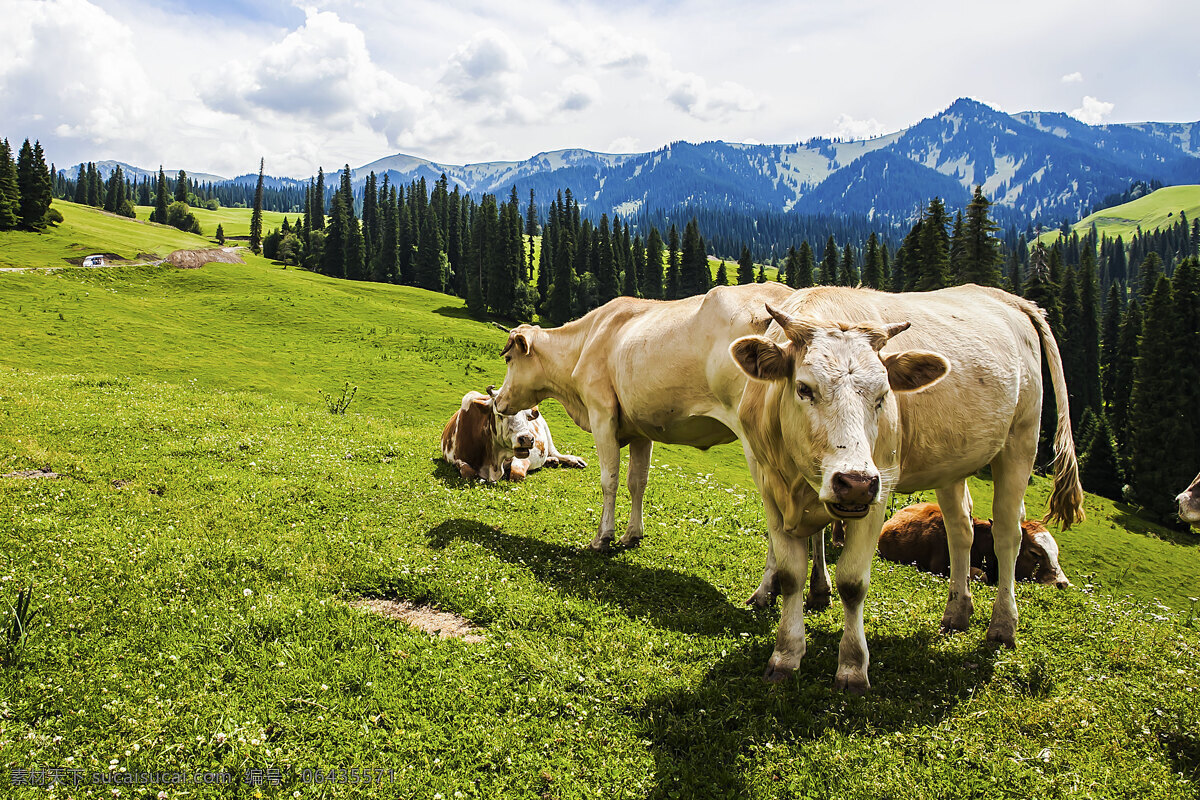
pixel 667 364
pixel 959 424
pixel 916 535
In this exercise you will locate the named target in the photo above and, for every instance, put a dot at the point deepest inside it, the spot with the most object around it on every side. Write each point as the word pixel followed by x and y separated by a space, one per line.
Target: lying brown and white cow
pixel 481 442
pixel 985 411
pixel 1189 503
pixel 916 535
pixel 636 371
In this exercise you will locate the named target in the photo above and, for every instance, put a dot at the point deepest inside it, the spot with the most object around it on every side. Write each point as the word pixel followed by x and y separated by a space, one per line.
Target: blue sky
pixel 210 87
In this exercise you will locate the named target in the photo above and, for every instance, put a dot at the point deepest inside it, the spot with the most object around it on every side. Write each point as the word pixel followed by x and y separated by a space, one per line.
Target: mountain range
pixel 1036 167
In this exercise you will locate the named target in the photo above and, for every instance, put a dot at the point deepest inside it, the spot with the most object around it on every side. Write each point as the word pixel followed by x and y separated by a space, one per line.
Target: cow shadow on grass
pixel 705 739
pixel 667 598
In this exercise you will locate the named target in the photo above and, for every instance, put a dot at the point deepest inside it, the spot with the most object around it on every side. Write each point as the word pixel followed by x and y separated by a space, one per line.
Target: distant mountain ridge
pixel 1035 167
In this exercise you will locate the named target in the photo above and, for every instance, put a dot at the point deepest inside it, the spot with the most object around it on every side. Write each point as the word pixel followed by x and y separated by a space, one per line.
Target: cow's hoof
pixel 577 463
pixel 1003 636
pixel 854 683
pixel 777 674
pixel 762 598
pixel 631 539
pixel 958 615
pixel 816 601
pixel 599 545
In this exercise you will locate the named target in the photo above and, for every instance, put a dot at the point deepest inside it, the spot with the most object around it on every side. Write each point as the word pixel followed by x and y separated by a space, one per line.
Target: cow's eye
pixel 804 390
pixel 879 402
pixel 507 359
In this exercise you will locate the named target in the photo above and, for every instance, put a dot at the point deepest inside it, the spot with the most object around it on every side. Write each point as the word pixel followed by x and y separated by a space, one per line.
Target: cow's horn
pixel 501 327
pixel 491 390
pixel 892 328
pixel 796 329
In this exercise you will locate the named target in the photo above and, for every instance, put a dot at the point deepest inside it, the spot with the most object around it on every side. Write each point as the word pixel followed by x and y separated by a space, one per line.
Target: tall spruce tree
pixel 33 186
pixel 429 257
pixel 161 198
pixel 652 278
pixel 804 276
pixel 933 263
pixel 847 272
pixel 1089 333
pixel 562 292
pixel 606 271
pixel 1148 273
pixel 336 232
pixel 256 216
pixel 181 187
pixel 672 287
pixel 1157 416
pixel 745 273
pixel 318 215
pixel 694 277
pixel 10 193
pixel 1185 288
pixel 722 275
pixel 1100 469
pixel 1122 369
pixel 829 264
pixel 873 268
pixel 981 256
pixel 1110 336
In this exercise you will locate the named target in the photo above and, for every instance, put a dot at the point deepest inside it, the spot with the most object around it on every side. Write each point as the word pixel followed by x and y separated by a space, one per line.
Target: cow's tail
pixel 1066 499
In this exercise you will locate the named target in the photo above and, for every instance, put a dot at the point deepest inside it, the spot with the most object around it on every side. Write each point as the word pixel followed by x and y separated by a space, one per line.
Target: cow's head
pixel 1038 556
pixel 1189 503
pixel 835 396
pixel 515 432
pixel 524 380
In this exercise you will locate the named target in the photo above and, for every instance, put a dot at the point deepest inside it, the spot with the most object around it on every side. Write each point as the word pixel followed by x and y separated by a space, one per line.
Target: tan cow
pixel 1189 503
pixel 986 411
pixel 480 442
pixel 634 372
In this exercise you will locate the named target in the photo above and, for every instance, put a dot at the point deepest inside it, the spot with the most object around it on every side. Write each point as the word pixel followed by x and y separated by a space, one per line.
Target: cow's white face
pixel 837 407
pixel 1189 503
pixel 524 377
pixel 516 432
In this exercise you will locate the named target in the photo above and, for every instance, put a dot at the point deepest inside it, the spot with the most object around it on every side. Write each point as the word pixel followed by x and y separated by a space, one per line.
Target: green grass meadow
pixel 1158 209
pixel 193 566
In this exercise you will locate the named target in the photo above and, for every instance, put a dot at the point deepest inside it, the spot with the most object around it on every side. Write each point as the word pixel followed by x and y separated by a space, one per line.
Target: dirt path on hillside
pixel 183 259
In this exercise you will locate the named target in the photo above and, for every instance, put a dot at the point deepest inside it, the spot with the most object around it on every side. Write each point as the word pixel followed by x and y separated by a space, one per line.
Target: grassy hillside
pixel 233 221
pixel 86 230
pixel 193 569
pixel 1155 210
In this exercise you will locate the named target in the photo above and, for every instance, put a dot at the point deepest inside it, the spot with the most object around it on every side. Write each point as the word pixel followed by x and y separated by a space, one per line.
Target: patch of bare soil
pixel 44 472
pixel 194 259
pixel 425 618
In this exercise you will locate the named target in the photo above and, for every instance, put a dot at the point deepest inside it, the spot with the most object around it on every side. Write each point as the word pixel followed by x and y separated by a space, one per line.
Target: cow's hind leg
pixel 853 579
pixel 635 480
pixel 608 451
pixel 1010 471
pixel 791 568
pixel 955 502
pixel 819 590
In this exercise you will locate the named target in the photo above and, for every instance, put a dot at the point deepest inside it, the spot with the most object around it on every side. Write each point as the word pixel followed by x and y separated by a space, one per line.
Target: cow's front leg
pixel 791 569
pixel 608 451
pixel 853 578
pixel 955 503
pixel 518 469
pixel 635 481
pixel 819 589
pixel 768 587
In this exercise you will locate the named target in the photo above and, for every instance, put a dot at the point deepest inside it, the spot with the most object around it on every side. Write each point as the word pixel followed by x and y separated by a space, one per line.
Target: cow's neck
pixel 560 358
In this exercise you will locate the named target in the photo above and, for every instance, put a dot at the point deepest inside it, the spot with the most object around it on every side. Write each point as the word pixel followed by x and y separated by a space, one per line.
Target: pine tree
pixel 637 265
pixel 1156 417
pixel 1185 288
pixel 1042 289
pixel 336 233
pixel 981 257
pixel 1072 346
pixel 722 275
pixel 220 234
pixel 791 267
pixel 1122 368
pixel 1089 334
pixel 958 251
pixel 80 183
pixel 181 187
pixel 829 264
pixel 606 272
pixel 384 268
pixel 161 198
pixel 33 187
pixel 933 262
pixel 1110 336
pixel 257 214
pixel 847 273
pixel 673 287
pixel 318 216
pixel 652 277
pixel 562 292
pixel 873 269
pixel 694 277
pixel 1148 273
pixel 804 276
pixel 10 193
pixel 745 273
pixel 1100 469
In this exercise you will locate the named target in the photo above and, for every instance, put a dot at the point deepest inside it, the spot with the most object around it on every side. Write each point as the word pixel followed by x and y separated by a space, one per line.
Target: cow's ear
pixel 915 369
pixel 761 358
pixel 534 413
pixel 519 342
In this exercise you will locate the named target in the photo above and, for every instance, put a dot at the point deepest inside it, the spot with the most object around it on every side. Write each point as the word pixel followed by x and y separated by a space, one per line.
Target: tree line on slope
pixel 26 189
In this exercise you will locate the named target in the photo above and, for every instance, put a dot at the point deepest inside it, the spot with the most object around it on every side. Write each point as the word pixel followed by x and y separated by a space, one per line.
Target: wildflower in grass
pixel 247 592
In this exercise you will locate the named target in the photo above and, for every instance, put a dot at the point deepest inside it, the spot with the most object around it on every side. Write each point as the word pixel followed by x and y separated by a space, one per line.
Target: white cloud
pixel 601 47
pixel 1074 77
pixel 847 127
pixel 1093 111
pixel 577 93
pixel 486 69
pixel 623 144
pixel 691 93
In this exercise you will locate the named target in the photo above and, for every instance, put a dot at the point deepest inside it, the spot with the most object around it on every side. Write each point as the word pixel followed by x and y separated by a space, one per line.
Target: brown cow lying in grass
pixel 917 535
pixel 480 442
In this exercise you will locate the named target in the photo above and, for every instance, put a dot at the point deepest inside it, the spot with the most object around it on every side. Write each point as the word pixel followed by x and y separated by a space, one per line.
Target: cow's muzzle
pixel 854 493
pixel 524 443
